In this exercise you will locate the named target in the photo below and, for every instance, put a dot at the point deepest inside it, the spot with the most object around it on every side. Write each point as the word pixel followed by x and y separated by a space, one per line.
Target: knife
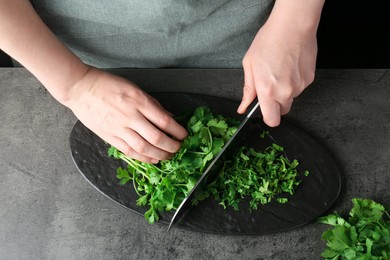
pixel 186 203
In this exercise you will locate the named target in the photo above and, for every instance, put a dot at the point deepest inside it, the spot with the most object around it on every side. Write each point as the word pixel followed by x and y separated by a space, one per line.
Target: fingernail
pixel 154 161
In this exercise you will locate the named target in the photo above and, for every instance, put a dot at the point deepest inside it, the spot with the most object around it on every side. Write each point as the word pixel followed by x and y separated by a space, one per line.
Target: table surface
pixel 49 211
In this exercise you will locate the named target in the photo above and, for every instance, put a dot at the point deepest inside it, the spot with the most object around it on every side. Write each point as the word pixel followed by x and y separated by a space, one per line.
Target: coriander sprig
pixel 365 235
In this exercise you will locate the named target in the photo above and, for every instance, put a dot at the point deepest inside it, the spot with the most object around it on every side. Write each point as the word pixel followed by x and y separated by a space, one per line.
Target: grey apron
pixel 156 33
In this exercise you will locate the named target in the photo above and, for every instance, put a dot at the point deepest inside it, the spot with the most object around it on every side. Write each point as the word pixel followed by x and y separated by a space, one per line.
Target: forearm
pixel 28 40
pixel 304 15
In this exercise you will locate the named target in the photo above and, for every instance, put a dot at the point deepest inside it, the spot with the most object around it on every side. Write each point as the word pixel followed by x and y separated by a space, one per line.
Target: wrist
pixel 301 16
pixel 65 92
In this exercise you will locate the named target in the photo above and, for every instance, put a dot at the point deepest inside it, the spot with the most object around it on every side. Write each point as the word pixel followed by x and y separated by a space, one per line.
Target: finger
pixel 249 91
pixel 141 144
pixel 271 112
pixel 128 151
pixel 155 136
pixel 165 122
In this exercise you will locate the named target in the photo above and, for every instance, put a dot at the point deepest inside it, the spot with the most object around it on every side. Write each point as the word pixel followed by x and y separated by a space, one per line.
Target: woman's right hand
pixel 123 115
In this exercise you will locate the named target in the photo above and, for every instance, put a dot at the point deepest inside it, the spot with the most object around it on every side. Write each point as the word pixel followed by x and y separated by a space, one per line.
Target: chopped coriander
pixel 282 200
pixel 264 134
pixel 259 175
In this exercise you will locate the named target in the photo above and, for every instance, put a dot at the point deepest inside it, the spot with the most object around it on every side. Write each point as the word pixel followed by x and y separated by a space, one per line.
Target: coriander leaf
pixel 198 126
pixel 217 127
pixel 330 254
pixel 151 215
pixel 366 211
pixel 112 151
pixel 154 177
pixel 217 146
pixel 192 142
pixel 190 183
pixel 201 111
pixel 332 219
pixel 169 199
pixel 229 133
pixel 143 200
pixel 123 175
pixel 207 158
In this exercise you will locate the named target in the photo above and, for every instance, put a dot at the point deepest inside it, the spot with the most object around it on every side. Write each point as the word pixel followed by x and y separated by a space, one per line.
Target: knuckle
pixel 140 146
pixel 310 78
pixel 176 147
pixel 288 93
pixel 137 96
pixel 247 88
pixel 164 121
pixel 127 151
pixel 282 93
pixel 156 137
pixel 245 61
pixel 268 91
pixel 285 111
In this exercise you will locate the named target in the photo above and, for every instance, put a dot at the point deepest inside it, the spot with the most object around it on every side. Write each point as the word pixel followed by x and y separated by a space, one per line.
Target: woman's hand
pixel 112 107
pixel 126 117
pixel 280 63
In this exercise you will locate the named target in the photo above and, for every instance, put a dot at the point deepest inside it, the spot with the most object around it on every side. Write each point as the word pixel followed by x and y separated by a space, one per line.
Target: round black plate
pixel 313 197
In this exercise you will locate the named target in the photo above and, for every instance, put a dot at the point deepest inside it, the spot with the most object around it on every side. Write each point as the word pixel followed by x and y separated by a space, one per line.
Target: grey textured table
pixel 49 211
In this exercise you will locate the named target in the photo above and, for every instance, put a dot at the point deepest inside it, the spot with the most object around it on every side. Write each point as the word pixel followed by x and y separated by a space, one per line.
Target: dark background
pixel 351 34
pixel 354 34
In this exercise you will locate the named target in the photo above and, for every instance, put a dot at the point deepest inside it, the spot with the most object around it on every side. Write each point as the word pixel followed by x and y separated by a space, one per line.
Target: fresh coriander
pixel 162 187
pixel 365 235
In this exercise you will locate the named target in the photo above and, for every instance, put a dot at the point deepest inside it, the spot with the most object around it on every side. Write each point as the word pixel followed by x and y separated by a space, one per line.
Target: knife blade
pixel 186 203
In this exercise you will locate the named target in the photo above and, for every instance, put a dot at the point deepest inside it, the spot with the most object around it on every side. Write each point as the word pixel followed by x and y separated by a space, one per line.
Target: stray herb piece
pixel 366 234
pixel 264 134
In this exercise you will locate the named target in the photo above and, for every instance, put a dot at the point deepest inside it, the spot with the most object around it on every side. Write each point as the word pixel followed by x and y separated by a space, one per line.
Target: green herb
pixel 162 187
pixel 366 234
pixel 260 175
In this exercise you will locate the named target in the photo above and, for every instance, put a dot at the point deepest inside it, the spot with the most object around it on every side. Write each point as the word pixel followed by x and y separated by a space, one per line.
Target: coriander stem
pixel 133 163
pixel 377 222
pixel 211 137
pixel 135 166
pixel 195 152
pixel 387 214
pixel 135 187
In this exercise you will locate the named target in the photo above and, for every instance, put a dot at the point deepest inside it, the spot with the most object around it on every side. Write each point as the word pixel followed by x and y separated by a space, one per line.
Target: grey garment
pixel 156 33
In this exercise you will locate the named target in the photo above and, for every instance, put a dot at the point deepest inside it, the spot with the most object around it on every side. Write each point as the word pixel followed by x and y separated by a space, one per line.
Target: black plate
pixel 313 197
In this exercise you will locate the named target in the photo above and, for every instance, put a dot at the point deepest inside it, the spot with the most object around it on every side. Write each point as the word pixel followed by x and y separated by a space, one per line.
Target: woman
pixel 274 41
